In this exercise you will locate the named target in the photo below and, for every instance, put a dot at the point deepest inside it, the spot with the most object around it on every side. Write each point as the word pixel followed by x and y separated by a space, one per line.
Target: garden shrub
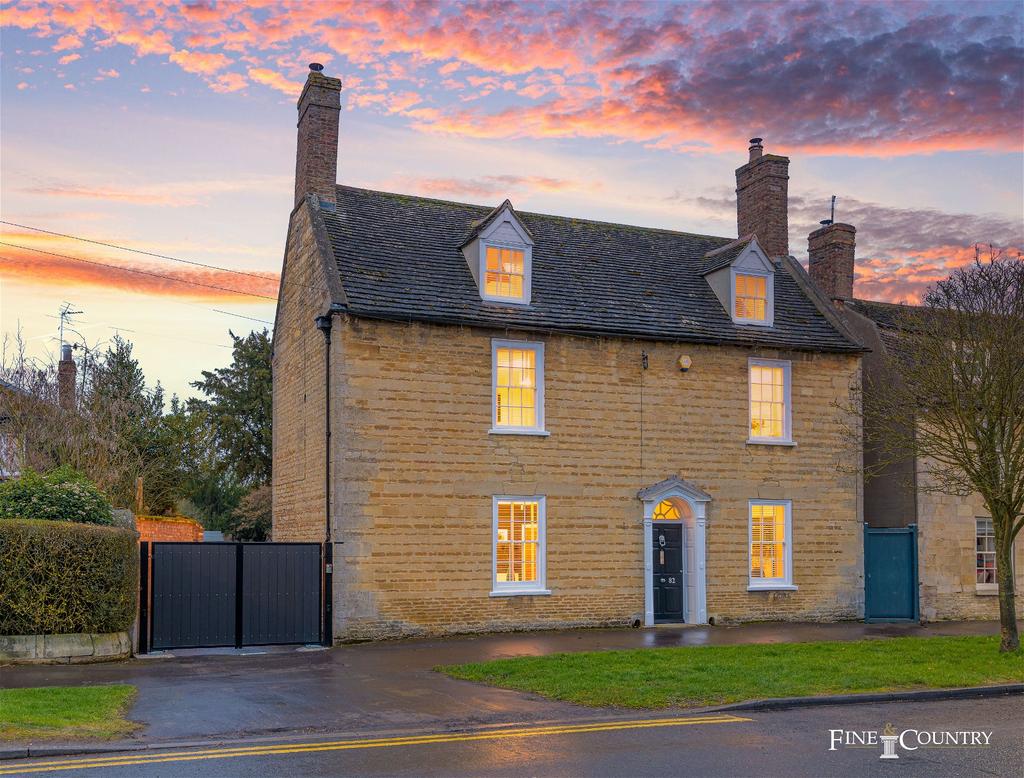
pixel 59 577
pixel 60 495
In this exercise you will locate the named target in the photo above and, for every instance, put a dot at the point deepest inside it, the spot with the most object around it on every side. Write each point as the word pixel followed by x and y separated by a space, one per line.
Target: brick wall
pixel 169 528
pixel 946 557
pixel 830 259
pixel 415 471
pixel 316 156
pixel 762 201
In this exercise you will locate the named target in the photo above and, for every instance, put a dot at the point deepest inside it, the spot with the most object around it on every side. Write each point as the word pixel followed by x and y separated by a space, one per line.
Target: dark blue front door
pixel 890 574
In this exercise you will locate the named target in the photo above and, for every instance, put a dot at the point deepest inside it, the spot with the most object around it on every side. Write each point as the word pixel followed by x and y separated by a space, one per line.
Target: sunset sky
pixel 169 128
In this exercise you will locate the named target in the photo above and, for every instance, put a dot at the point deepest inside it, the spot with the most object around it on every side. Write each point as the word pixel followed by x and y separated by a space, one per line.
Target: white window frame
pixel 527 271
pixel 987 588
pixel 787 396
pixel 772 584
pixel 518 588
pixel 769 287
pixel 538 349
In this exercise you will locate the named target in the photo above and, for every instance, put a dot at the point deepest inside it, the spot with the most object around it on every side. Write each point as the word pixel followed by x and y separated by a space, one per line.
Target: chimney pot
pixel 831 251
pixel 316 67
pixel 756 148
pixel 762 199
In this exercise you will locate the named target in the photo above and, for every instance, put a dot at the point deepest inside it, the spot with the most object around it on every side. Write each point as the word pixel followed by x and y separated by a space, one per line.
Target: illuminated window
pixel 985 546
pixel 770 557
pixel 769 402
pixel 519 546
pixel 751 297
pixel 518 387
pixel 671 510
pixel 504 273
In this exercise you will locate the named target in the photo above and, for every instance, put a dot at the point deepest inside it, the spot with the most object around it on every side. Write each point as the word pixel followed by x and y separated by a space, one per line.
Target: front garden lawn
pixel 65 712
pixel 714 675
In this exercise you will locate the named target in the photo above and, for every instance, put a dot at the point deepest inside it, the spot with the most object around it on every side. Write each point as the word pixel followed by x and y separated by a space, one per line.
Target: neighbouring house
pixel 519 420
pixel 955 548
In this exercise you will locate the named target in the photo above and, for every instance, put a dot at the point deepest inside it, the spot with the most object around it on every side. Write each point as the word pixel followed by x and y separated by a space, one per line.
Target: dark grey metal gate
pixel 229 594
pixel 890 574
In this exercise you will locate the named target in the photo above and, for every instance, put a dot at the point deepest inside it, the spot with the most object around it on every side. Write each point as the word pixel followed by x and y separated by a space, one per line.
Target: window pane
pixel 504 275
pixel 751 297
pixel 767 401
pixel 985 544
pixel 516 388
pixel 517 541
pixel 767 541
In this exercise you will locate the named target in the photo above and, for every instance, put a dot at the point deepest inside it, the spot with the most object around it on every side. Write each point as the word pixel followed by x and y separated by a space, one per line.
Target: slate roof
pixel 882 314
pixel 399 258
pixel 718 258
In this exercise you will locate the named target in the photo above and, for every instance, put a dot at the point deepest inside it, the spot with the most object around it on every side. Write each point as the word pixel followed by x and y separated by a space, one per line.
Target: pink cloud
pixel 274 80
pixel 200 62
pixel 67 59
pixel 843 79
pixel 66 42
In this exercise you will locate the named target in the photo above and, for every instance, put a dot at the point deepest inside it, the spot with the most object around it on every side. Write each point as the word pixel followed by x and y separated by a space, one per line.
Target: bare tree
pixel 47 435
pixel 952 397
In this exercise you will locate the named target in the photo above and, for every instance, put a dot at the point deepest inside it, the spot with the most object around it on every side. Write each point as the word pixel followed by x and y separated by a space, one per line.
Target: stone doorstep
pixel 78 647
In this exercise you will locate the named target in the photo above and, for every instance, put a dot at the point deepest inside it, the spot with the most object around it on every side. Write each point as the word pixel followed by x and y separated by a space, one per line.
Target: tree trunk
pixel 1010 640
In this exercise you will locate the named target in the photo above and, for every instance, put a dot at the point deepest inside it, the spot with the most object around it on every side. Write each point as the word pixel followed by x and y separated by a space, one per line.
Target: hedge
pixel 60 495
pixel 62 578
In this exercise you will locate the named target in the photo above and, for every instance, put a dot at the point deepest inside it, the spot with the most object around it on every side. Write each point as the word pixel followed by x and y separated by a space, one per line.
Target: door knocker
pixel 661 542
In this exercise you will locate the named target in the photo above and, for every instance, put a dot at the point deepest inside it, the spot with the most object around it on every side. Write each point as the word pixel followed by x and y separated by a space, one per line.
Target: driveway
pixel 389 686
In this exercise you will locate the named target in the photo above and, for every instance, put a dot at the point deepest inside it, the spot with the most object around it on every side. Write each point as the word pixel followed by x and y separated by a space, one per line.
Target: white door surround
pixel 693 502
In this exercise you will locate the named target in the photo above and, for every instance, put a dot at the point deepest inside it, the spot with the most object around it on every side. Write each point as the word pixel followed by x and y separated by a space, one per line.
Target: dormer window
pixel 743 278
pixel 505 273
pixel 499 252
pixel 751 298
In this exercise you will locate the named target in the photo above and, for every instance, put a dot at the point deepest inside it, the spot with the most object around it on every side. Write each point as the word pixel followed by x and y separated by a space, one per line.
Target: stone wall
pixel 298 387
pixel 64 649
pixel 946 557
pixel 415 470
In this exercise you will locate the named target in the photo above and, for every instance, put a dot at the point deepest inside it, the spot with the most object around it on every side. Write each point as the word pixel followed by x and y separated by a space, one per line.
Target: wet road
pixel 788 743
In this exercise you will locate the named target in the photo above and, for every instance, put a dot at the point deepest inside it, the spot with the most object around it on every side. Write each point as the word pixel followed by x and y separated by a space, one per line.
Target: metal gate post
pixel 144 597
pixel 916 583
pixel 239 582
pixel 327 628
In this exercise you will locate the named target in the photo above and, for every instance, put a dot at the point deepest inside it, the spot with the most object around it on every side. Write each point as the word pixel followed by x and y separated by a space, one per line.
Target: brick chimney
pixel 831 251
pixel 66 374
pixel 762 200
pixel 316 158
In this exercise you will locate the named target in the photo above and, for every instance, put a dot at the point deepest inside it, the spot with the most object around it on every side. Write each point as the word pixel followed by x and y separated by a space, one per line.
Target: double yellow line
pixel 137 758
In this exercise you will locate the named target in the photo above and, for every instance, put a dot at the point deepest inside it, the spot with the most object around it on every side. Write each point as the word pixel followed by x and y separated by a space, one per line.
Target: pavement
pixel 792 743
pixel 388 686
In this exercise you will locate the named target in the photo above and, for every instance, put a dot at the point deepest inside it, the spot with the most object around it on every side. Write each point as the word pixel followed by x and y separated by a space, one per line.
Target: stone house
pixel 509 420
pixel 955 543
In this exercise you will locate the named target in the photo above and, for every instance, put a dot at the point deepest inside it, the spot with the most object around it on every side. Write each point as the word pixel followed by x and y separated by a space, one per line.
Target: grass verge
pixel 65 712
pixel 715 675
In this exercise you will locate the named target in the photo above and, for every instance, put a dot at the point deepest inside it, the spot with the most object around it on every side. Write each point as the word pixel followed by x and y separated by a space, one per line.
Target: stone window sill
pixel 770 442
pixel 986 590
pixel 774 588
pixel 505 431
pixel 519 592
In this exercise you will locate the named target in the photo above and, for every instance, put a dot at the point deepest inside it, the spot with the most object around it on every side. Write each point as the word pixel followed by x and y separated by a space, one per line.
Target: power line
pixel 136 251
pixel 137 271
pixel 242 316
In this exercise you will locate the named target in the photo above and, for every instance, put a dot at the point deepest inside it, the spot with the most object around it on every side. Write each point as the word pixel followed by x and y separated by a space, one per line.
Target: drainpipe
pixel 323 323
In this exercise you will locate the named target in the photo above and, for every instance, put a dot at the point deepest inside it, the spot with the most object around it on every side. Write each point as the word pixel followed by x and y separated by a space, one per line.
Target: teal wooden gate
pixel 890 574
